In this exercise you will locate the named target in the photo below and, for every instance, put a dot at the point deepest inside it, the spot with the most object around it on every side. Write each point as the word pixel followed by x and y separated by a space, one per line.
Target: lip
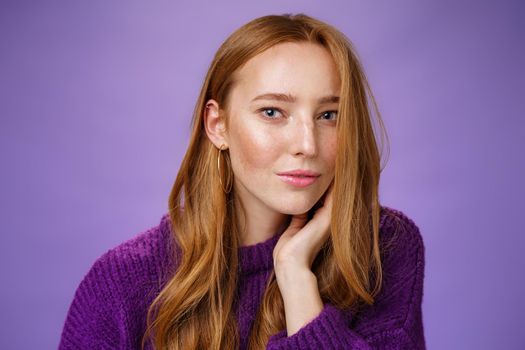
pixel 298 181
pixel 299 177
pixel 300 172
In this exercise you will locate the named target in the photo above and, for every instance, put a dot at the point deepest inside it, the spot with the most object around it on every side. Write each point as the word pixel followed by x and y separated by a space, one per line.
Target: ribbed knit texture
pixel 110 305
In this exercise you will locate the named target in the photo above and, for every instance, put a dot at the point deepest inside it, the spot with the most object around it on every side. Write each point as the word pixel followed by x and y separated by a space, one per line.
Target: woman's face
pixel 282 117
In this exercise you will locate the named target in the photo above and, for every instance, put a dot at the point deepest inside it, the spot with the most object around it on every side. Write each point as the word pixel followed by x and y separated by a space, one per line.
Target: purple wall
pixel 95 103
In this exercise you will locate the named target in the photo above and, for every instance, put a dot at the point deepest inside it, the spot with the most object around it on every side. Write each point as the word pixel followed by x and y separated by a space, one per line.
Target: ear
pixel 214 124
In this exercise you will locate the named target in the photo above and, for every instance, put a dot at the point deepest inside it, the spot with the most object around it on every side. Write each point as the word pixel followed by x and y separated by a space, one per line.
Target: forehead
pixel 306 70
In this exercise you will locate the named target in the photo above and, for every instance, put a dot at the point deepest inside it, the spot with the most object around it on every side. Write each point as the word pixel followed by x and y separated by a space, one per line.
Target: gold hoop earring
pixel 229 183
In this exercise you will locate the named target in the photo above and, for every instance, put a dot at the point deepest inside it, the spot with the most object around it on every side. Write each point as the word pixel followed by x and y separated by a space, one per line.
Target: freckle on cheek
pixel 251 152
pixel 246 150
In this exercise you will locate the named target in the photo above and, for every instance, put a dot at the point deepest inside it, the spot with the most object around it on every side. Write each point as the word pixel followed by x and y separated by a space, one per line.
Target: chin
pixel 295 208
pixel 298 212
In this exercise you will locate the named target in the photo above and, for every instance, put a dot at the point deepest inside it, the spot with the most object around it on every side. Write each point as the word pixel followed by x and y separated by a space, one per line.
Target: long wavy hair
pixel 194 309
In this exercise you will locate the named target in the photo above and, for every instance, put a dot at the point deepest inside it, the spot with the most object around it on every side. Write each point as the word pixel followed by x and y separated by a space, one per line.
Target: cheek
pixel 329 150
pixel 333 151
pixel 252 149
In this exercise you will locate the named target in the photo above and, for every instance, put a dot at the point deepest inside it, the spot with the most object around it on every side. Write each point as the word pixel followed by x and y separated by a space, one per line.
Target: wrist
pixel 291 272
pixel 294 281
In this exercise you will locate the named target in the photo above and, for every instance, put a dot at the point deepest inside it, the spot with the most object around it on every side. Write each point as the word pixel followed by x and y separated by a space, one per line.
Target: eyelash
pixel 279 110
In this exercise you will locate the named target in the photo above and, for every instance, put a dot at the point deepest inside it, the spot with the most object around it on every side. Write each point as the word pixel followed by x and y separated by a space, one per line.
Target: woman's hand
pixel 293 256
pixel 299 244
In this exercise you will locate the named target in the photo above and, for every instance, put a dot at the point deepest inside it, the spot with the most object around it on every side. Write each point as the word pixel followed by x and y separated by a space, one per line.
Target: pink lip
pixel 300 172
pixel 298 181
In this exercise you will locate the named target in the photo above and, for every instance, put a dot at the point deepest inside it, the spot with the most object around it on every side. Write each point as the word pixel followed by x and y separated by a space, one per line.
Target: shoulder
pixel 398 303
pixel 139 262
pixel 110 303
pixel 399 234
pixel 144 259
pixel 402 248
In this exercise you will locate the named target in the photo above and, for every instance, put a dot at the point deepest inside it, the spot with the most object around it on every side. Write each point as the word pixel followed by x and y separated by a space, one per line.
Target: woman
pixel 275 238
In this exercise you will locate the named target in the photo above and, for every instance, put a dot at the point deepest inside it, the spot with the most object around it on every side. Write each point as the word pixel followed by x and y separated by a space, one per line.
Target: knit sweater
pixel 109 308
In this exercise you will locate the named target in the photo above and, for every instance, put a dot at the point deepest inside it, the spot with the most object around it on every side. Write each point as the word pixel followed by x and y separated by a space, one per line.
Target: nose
pixel 303 138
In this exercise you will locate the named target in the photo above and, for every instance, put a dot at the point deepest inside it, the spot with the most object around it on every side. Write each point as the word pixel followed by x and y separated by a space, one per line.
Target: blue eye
pixel 334 114
pixel 272 113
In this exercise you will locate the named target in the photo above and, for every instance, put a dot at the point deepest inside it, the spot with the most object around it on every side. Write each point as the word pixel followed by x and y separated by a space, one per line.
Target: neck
pixel 259 223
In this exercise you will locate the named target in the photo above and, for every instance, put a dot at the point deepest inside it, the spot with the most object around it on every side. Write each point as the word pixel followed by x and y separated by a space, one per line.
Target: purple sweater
pixel 109 307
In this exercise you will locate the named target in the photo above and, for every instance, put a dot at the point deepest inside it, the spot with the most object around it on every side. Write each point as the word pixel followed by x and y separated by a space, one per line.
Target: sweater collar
pixel 252 258
pixel 257 257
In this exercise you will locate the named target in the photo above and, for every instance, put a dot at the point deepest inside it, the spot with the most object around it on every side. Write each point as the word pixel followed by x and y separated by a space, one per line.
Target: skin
pixel 269 136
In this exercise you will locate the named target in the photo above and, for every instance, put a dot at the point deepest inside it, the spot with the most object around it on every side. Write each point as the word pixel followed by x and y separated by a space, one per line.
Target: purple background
pixel 95 103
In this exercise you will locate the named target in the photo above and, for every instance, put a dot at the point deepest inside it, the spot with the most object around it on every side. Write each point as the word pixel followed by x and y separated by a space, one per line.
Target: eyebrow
pixel 291 98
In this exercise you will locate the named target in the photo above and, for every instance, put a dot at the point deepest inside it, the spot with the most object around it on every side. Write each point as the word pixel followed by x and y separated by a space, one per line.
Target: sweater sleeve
pixel 394 321
pixel 95 316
